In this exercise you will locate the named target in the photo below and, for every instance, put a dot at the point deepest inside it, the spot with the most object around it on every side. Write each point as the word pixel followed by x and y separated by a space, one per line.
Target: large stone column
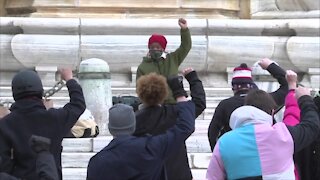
pixel 94 77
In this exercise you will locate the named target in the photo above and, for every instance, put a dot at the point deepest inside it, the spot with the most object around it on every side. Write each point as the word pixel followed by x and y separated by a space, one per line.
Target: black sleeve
pixel 6 163
pixel 69 114
pixel 45 166
pixel 197 92
pixel 280 94
pixel 216 125
pixel 308 129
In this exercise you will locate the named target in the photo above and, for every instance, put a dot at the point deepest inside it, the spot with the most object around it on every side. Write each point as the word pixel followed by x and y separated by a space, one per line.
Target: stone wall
pixel 285 9
pixel 2 8
pixel 217 44
pixel 130 8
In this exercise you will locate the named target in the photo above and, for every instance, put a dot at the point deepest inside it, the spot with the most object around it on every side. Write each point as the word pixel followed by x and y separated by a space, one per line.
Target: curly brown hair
pixel 152 89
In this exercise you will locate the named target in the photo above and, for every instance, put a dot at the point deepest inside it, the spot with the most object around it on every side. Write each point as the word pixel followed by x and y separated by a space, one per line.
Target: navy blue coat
pixel 30 117
pixel 142 158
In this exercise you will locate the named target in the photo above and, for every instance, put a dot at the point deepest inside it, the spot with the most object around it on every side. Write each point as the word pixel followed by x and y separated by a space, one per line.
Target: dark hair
pixel 152 89
pixel 261 100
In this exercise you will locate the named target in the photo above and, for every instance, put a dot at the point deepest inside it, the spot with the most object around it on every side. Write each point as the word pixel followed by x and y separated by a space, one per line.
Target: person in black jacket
pixel 154 118
pixel 30 117
pixel 140 158
pixel 308 159
pixel 242 83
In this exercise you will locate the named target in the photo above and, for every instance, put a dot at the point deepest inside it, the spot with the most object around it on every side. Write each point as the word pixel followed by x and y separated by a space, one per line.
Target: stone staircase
pixel 77 152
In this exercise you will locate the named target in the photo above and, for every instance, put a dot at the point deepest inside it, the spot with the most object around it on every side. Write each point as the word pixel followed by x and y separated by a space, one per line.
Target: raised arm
pixel 70 113
pixel 180 54
pixel 308 129
pixel 292 112
pixel 197 92
pixel 278 73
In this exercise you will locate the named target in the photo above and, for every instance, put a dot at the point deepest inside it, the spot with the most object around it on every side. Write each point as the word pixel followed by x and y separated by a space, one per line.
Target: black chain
pixel 57 87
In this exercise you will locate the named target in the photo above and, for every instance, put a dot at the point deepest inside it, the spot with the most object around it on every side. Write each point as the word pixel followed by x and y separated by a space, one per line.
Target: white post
pixel 94 77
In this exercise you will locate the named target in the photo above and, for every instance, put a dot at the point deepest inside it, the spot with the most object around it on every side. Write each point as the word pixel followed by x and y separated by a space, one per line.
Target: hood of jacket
pixel 27 105
pixel 246 115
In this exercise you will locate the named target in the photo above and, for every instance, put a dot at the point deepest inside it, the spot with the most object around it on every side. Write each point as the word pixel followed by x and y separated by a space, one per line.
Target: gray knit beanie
pixel 122 120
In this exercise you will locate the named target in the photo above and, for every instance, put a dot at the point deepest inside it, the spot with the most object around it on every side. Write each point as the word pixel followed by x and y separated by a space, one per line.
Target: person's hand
pixel 187 71
pixel 301 91
pixel 176 85
pixel 291 77
pixel 66 73
pixel 183 23
pixel 264 63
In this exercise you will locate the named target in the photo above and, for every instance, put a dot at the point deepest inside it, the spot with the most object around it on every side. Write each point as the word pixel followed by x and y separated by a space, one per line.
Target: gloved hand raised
pixel 176 84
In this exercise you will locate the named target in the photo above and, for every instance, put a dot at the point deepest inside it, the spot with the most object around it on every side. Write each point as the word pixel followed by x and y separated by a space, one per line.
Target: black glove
pixel 39 143
pixel 191 76
pixel 176 85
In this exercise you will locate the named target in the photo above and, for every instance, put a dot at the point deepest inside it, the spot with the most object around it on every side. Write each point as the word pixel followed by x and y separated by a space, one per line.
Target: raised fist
pixel 187 71
pixel 183 23
pixel 66 73
pixel 264 63
pixel 291 77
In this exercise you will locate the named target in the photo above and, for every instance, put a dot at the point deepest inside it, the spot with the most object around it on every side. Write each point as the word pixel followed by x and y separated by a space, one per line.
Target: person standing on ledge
pixel 158 60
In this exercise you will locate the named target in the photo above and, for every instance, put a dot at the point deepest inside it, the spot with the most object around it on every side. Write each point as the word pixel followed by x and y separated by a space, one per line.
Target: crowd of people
pixel 149 143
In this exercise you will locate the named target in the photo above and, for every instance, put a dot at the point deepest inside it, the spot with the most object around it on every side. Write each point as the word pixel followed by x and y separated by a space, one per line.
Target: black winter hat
pixel 26 83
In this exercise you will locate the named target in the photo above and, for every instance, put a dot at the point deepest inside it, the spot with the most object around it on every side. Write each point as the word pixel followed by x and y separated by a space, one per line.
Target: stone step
pixel 195 144
pixel 78 151
pixel 81 160
pixel 81 173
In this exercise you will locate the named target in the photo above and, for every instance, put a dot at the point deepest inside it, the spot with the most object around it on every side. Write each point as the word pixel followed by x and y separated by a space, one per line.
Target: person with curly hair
pixel 155 118
pixel 132 157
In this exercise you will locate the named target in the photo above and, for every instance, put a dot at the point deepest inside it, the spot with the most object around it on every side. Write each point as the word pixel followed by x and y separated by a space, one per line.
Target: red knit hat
pixel 159 39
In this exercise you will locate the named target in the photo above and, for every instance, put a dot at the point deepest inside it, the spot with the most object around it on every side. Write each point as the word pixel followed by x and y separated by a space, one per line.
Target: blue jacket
pixel 130 157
